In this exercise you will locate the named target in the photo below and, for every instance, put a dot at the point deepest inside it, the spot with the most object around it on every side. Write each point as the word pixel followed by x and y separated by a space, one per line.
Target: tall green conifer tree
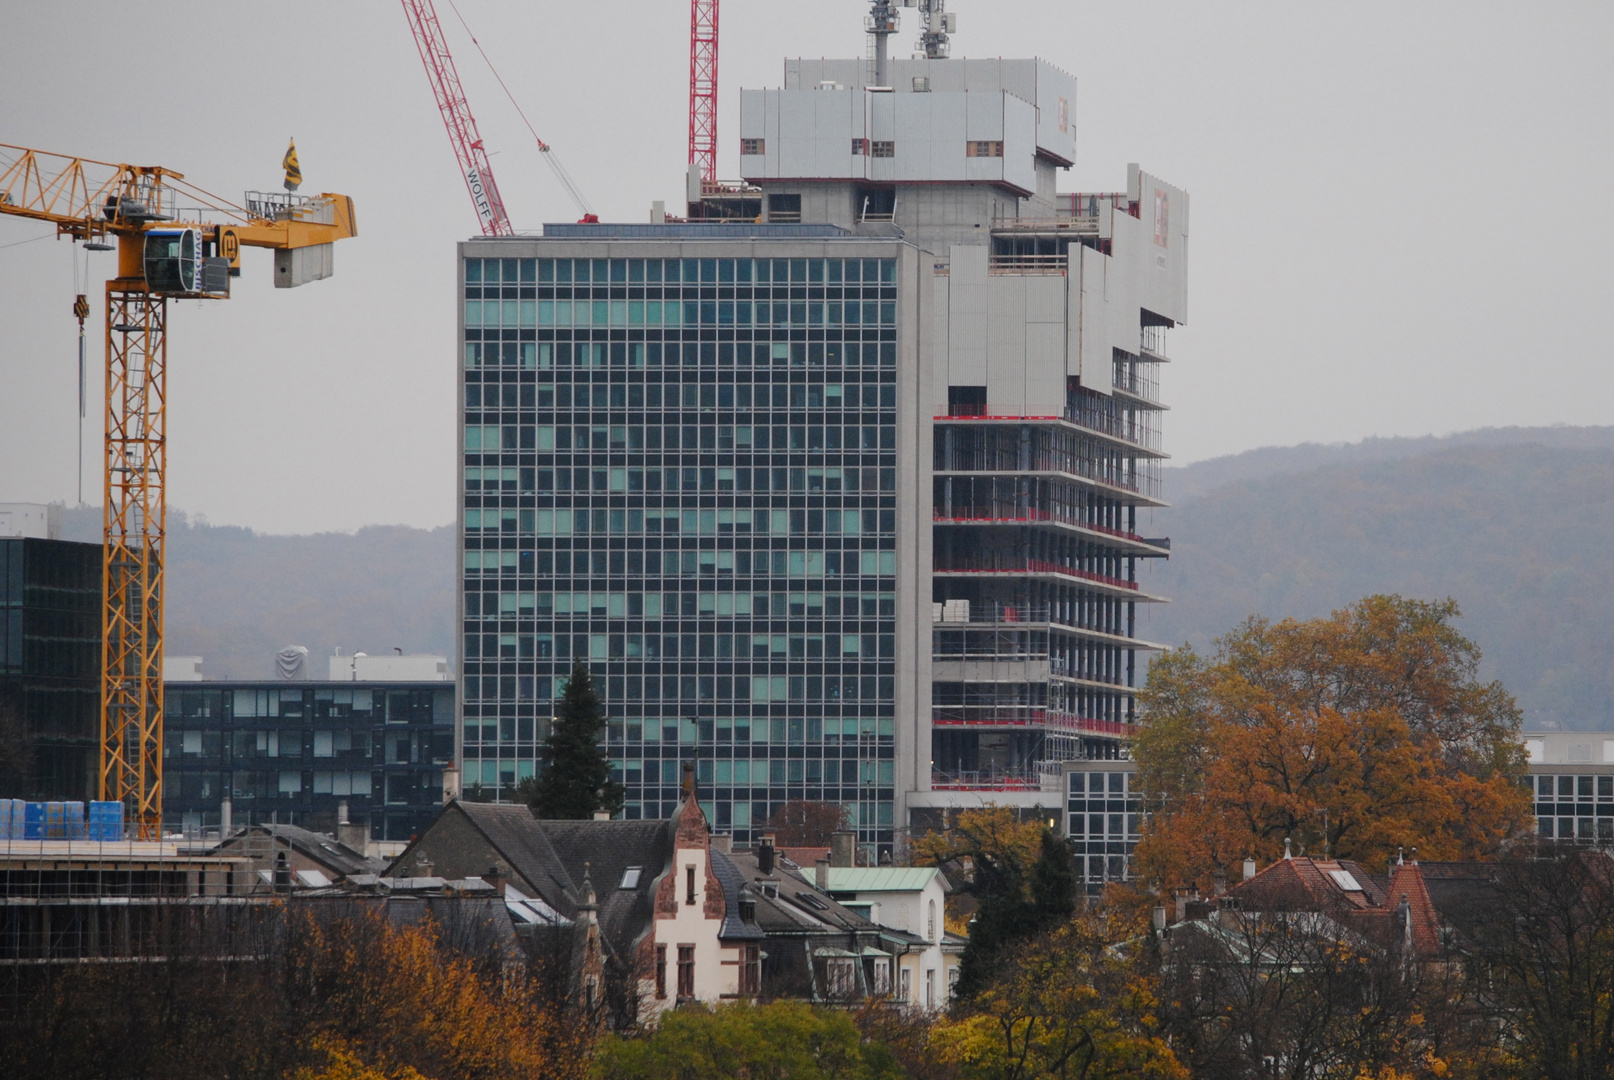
pixel 576 779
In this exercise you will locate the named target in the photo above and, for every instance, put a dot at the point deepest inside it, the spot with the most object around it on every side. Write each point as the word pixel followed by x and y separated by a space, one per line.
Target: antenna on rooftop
pixel 936 25
pixel 881 24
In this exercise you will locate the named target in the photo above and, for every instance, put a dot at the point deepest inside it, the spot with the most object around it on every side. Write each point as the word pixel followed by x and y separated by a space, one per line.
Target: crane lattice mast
pixel 457 118
pixel 163 253
pixel 703 87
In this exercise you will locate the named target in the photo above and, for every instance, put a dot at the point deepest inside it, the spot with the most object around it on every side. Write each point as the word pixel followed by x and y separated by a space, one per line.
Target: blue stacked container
pixel 73 821
pixel 55 821
pixel 106 821
pixel 17 815
pixel 5 820
pixel 33 821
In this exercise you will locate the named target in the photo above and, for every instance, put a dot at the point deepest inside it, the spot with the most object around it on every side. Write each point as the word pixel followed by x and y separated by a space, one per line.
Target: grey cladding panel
pixel 966 323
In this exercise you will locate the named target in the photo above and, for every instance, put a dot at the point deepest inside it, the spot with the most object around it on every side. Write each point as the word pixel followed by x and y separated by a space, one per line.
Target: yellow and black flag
pixel 294 174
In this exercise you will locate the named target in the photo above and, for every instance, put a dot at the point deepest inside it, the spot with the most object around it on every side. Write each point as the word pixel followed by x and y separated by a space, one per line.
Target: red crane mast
pixel 457 118
pixel 703 87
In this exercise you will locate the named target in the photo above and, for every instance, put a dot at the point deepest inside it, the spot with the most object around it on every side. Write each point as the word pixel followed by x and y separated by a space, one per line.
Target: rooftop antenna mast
pixel 936 24
pixel 881 24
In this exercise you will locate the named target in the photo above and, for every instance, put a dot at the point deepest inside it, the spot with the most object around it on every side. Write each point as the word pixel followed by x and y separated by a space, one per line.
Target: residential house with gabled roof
pixel 655 915
pixel 1392 910
pixel 818 949
pixel 912 899
pixel 289 856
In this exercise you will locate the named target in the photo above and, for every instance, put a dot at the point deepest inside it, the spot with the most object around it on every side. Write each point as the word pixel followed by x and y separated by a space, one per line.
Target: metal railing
pixel 1139 380
pixel 1015 565
pixel 1024 716
pixel 995 612
pixel 1023 515
pixel 987 780
pixel 1003 265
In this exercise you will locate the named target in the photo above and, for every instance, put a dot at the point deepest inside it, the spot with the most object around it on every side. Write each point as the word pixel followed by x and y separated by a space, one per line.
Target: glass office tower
pixel 683 471
pixel 836 484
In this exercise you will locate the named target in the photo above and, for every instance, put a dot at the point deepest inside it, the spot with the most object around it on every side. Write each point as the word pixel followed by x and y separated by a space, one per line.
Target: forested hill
pixel 236 597
pixel 1515 524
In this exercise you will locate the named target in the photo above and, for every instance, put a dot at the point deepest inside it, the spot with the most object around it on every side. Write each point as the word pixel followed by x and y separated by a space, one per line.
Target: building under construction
pixel 841 502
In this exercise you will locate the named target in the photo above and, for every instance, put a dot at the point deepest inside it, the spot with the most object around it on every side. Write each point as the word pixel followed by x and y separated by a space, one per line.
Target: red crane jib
pixel 703 87
pixel 457 118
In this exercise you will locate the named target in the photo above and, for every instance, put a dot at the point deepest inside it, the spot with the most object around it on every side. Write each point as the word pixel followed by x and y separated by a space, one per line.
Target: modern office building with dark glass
pixel 314 754
pixel 50 657
pixel 834 485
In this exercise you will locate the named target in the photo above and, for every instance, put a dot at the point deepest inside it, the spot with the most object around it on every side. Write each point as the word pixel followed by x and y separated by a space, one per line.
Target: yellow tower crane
pixel 173 241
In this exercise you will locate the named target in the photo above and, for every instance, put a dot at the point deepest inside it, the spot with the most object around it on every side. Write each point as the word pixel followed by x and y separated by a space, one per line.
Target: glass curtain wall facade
pixel 290 754
pixel 50 664
pixel 682 471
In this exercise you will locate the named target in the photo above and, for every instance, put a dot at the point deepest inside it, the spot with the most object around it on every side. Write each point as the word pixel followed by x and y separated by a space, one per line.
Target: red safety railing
pixel 1027 516
pixel 1024 716
pixel 1038 566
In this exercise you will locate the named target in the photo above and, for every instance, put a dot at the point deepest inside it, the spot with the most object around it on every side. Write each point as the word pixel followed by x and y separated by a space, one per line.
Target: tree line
pixel 1346 737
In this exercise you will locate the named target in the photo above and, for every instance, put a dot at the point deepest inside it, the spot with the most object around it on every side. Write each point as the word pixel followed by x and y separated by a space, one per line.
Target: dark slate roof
pixel 474 925
pixel 512 830
pixel 610 848
pixel 323 849
pixel 799 908
pixel 733 880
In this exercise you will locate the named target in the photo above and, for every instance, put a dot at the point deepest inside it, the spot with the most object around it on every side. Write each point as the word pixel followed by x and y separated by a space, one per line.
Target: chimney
pixel 587 907
pixel 1219 882
pixel 723 842
pixel 843 848
pixel 1181 896
pixel 224 818
pixel 765 853
pixel 495 876
pixel 821 875
pixel 1249 869
pixel 1159 918
pixel 355 836
pixel 602 815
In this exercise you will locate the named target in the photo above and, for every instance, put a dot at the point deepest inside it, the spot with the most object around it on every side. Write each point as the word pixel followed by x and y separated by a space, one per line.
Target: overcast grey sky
pixel 1402 212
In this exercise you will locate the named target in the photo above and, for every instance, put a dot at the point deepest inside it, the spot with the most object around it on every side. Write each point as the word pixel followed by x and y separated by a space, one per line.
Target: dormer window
pixel 630 878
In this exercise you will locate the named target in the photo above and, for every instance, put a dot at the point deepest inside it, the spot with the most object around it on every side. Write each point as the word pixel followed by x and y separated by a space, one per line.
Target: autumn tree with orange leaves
pixel 1350 736
pixel 314 991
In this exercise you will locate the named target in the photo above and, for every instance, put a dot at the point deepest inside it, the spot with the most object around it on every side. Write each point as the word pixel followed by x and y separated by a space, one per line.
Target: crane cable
pixel 544 148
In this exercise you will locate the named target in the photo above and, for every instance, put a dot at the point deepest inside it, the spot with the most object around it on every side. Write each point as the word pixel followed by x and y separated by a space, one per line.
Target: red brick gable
pixel 692 834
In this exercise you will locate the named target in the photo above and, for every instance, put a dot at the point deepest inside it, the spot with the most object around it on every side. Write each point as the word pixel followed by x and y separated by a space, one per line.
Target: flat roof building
pixel 319 755
pixel 1572 780
pixel 838 500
